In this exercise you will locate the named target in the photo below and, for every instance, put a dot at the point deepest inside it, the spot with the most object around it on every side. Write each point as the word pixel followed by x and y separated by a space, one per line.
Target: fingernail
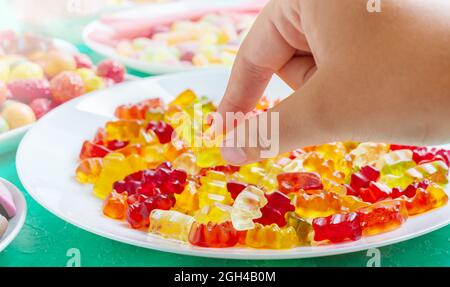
pixel 233 155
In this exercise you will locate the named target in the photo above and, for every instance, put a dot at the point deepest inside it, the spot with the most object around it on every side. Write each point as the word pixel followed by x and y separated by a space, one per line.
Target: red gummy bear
pixel 234 188
pixel 375 192
pixel 362 179
pixel 141 206
pixel 337 227
pixel 162 130
pixel 275 209
pixel 294 181
pixel 90 149
pixel 411 190
pixel 214 235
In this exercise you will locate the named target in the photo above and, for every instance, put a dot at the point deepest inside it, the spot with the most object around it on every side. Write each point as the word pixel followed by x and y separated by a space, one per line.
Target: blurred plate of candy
pixel 37 74
pixel 174 37
pixel 13 211
pixel 133 183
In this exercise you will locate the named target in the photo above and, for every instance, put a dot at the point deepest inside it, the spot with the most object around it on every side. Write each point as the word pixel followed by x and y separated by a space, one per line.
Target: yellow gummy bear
pixel 271 236
pixel 188 200
pixel 216 213
pixel 116 167
pixel 170 224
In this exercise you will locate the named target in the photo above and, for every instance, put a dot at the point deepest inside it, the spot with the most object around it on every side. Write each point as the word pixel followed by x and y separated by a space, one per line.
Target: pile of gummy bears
pixel 145 169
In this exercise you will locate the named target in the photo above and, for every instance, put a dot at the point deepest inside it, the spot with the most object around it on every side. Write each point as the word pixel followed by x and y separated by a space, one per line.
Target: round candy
pixel 91 81
pixel 82 61
pixel 66 86
pixel 4 127
pixel 26 70
pixel 57 62
pixel 111 69
pixel 3 92
pixel 41 106
pixel 4 72
pixel 18 115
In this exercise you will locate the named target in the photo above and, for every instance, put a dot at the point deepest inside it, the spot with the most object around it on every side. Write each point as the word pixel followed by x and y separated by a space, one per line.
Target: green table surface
pixel 46 240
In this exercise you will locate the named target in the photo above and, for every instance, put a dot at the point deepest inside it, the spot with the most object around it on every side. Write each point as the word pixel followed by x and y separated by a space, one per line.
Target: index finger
pixel 264 51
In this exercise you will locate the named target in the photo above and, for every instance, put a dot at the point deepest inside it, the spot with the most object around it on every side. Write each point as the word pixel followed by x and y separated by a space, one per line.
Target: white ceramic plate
pixel 150 11
pixel 56 140
pixel 15 224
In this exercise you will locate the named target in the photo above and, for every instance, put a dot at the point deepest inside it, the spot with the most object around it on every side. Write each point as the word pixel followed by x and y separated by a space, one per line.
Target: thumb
pixel 296 121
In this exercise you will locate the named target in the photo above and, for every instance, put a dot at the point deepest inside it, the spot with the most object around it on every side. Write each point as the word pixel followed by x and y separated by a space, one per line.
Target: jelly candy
pixel 382 217
pixel 187 162
pixel 90 149
pixel 410 190
pixel 216 213
pixel 41 106
pixel 115 205
pixel 138 212
pixel 275 209
pixel 89 169
pixel 185 99
pixel 170 224
pixel 162 130
pixel 247 207
pixel 137 111
pixel 295 181
pixel 351 203
pixel 375 192
pixel 252 173
pixel 66 86
pixel 188 200
pixel 115 167
pixel 235 188
pixel 362 179
pixel 338 227
pixel 437 171
pixel 26 91
pixel 432 197
pixel 396 162
pixel 215 235
pixel 368 153
pixel 122 130
pixel 319 204
pixel 271 236
pixel 213 189
pixel 111 69
pixel 301 227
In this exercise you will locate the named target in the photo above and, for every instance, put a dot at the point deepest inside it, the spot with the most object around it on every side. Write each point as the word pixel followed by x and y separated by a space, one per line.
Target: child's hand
pixel 357 75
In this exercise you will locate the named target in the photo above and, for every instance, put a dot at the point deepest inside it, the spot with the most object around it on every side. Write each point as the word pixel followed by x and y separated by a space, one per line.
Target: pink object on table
pixel 121 26
pixel 6 202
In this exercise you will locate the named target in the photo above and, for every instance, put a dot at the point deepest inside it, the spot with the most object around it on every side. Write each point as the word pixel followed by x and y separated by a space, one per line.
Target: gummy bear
pixel 235 188
pixel 252 173
pixel 89 170
pixel 188 200
pixel 162 130
pixel 396 162
pixel 213 189
pixel 216 213
pixel 294 181
pixel 170 224
pixel 115 167
pixel 271 236
pixel 319 204
pixel 432 197
pixel 301 226
pixel 90 149
pixel 376 191
pixel 382 217
pixel 368 153
pixel 247 207
pixel 137 111
pixel 115 205
pixel 337 227
pixel 214 235
pixel 138 212
pixel 362 179
pixel 187 162
pixel 275 209
pixel 436 171
pixel 122 130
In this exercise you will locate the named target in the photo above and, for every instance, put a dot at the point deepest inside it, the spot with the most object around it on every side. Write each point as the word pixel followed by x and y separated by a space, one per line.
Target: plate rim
pixel 18 196
pixel 259 254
